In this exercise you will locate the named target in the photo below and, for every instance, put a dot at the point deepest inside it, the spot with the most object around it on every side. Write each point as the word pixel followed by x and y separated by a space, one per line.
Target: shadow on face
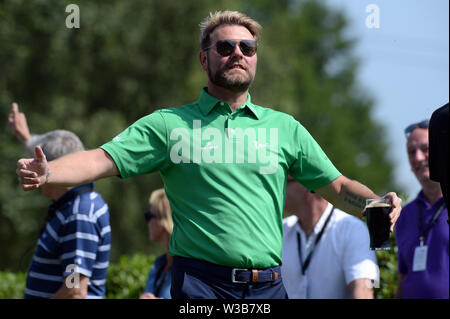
pixel 296 194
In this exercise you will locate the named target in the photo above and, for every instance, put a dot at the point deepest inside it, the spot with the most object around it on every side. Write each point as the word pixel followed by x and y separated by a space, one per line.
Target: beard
pixel 228 79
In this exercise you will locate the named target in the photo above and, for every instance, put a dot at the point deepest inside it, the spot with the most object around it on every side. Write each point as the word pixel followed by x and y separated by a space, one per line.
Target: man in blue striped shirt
pixel 72 254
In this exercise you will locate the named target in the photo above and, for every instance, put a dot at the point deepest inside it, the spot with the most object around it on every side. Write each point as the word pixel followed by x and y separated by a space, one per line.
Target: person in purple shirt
pixel 422 229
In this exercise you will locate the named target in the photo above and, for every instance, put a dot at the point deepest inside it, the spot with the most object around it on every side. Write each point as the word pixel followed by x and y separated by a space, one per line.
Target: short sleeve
pixel 141 148
pixel 358 260
pixel 311 166
pixel 79 244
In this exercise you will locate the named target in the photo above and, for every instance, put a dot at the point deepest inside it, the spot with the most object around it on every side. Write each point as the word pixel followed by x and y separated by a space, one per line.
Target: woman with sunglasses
pixel 159 222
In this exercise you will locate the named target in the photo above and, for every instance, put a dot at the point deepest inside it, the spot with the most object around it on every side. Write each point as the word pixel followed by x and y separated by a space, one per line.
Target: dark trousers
pixel 196 279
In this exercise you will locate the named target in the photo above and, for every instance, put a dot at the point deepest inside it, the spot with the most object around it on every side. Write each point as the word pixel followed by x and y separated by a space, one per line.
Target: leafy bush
pixel 387 261
pixel 12 285
pixel 127 278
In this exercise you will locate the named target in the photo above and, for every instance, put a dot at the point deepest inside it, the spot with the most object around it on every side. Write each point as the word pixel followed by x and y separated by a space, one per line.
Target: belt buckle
pixel 233 273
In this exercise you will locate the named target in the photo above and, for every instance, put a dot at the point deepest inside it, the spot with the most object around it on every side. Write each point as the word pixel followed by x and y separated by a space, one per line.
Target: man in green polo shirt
pixel 224 162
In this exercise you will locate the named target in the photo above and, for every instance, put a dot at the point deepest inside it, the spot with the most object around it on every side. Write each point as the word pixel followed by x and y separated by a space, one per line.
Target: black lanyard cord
pixel 299 241
pixel 424 232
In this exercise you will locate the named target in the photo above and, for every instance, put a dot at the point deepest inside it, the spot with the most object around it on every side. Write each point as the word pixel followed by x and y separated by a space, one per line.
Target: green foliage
pixel 127 278
pixel 387 262
pixel 312 71
pixel 129 58
pixel 12 285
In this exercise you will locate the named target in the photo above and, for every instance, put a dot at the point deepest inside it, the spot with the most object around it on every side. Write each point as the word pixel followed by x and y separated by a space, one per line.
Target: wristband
pixel 47 175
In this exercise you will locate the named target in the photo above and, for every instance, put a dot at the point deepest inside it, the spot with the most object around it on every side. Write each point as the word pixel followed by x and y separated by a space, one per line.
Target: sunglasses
pixel 149 215
pixel 412 127
pixel 226 47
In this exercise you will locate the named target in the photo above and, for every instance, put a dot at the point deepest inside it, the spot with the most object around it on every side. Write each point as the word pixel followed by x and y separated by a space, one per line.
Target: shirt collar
pixel 207 103
pixel 322 219
pixel 69 195
pixel 319 223
pixel 422 199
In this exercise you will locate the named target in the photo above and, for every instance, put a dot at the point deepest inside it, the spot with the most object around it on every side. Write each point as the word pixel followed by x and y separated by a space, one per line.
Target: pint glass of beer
pixel 377 216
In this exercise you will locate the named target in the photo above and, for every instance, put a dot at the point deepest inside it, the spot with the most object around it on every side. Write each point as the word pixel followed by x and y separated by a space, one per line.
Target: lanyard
pixel 424 232
pixel 299 241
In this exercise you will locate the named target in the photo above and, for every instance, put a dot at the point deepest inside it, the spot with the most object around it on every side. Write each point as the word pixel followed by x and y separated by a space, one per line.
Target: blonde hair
pixel 158 199
pixel 214 20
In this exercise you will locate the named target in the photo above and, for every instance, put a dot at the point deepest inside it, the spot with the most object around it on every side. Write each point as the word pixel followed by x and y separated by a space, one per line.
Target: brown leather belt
pixel 235 275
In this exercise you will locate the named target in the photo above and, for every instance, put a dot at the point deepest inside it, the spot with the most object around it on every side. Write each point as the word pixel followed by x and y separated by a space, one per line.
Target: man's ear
pixel 203 60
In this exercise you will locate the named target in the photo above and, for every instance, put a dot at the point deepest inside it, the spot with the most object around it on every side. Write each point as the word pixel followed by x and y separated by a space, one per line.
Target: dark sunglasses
pixel 226 47
pixel 149 215
pixel 412 127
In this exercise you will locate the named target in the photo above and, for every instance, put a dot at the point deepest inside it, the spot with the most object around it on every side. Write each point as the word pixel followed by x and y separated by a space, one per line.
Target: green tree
pixel 129 58
pixel 307 68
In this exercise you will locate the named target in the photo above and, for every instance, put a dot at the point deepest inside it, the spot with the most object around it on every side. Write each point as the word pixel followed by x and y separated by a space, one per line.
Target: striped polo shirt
pixel 76 240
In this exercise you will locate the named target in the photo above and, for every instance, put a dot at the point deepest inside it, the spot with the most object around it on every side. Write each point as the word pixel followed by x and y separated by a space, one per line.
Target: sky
pixel 404 66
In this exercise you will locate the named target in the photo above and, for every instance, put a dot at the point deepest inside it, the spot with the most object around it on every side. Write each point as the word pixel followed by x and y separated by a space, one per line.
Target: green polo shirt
pixel 225 174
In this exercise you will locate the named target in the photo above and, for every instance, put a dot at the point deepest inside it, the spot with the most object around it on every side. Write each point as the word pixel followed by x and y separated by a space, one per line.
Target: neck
pixel 432 191
pixel 55 192
pixel 309 214
pixel 234 99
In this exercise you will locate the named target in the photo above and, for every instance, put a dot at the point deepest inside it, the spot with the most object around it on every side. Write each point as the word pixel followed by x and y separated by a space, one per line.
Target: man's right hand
pixel 149 295
pixel 18 124
pixel 32 172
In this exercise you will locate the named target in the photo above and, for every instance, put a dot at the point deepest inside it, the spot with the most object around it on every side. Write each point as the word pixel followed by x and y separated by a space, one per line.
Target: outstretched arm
pixel 350 196
pixel 70 170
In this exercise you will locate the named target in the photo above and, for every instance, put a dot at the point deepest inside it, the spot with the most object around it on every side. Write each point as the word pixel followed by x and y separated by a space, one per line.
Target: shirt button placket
pixel 228 129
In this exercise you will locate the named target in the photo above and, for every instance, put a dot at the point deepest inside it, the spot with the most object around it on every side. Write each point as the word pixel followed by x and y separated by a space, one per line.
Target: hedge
pixel 126 279
pixel 387 262
pixel 12 285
